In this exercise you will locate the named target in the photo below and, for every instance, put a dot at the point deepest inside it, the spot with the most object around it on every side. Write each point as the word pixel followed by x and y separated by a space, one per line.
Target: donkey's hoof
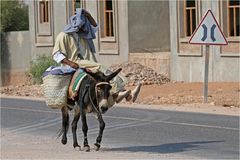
pixel 77 148
pixel 64 141
pixel 86 148
pixel 96 146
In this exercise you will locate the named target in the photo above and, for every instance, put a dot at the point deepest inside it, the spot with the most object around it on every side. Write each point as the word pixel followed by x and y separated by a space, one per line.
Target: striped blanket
pixel 75 83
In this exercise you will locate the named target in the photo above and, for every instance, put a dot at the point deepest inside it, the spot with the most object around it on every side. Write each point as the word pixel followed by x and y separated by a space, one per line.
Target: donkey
pixel 92 98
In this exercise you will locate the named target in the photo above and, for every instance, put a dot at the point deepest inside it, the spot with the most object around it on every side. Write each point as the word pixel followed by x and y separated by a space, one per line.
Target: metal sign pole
pixel 206 74
pixel 208 32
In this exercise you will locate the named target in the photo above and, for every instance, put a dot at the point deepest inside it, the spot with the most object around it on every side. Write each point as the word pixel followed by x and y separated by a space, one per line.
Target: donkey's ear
pixel 112 75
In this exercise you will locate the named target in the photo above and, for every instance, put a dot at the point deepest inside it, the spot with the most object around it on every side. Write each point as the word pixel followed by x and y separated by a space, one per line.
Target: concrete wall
pixel 149 34
pixel 160 62
pixel 148 23
pixel 15 58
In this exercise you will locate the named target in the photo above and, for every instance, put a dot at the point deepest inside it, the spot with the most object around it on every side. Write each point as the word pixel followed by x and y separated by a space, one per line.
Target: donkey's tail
pixel 59 133
pixel 65 122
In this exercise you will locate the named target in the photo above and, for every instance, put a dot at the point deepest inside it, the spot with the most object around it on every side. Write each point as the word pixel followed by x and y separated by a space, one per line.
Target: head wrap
pixel 79 23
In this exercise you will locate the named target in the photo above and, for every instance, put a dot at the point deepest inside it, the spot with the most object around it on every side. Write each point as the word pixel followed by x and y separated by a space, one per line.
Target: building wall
pixel 16 57
pixel 58 20
pixel 60 16
pixel 149 34
pixel 121 54
pixel 190 68
pixel 148 23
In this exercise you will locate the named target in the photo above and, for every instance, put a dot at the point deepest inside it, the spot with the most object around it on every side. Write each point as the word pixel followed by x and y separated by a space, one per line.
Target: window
pixel 108 19
pixel 230 15
pixel 108 30
pixel 43 22
pixel 233 18
pixel 44 13
pixel 188 15
pixel 77 4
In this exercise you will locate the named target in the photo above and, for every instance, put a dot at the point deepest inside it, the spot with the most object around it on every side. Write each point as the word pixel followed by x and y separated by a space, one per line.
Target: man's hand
pixel 70 63
pixel 90 18
pixel 74 65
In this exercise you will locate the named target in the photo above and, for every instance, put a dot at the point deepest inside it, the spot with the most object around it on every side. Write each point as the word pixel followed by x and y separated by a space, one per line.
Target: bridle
pixel 96 108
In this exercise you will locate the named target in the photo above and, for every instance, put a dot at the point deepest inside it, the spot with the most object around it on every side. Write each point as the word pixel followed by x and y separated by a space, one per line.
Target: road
pixel 130 133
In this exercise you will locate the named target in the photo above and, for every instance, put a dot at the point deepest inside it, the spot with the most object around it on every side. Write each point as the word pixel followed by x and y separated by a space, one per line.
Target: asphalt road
pixel 134 130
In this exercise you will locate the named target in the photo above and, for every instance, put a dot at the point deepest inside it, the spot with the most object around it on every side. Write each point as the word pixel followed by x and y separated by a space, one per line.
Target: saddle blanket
pixel 76 82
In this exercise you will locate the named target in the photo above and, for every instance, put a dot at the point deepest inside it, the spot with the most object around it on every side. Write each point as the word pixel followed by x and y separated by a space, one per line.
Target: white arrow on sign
pixel 208 32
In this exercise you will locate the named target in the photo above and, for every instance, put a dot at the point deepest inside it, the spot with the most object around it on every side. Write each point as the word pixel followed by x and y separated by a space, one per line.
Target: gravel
pixel 136 72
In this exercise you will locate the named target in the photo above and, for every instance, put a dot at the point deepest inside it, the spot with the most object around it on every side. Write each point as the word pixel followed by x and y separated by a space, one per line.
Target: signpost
pixel 208 33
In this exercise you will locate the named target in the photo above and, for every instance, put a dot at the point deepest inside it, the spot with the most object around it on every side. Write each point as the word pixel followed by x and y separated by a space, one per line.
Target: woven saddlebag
pixel 55 88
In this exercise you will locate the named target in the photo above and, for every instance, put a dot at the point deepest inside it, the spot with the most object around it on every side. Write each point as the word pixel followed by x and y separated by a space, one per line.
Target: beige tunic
pixel 68 45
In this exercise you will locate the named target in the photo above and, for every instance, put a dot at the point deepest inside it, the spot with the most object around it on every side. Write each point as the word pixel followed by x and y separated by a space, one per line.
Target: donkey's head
pixel 103 88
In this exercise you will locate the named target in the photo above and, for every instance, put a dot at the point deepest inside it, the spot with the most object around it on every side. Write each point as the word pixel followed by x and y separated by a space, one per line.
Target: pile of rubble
pixel 136 72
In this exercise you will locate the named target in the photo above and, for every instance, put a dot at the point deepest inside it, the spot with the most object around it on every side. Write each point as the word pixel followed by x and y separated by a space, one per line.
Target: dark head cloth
pixel 79 23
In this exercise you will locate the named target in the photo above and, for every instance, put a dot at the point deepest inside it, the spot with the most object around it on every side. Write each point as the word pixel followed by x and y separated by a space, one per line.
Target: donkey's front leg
pixel 74 127
pixel 101 128
pixel 65 124
pixel 85 130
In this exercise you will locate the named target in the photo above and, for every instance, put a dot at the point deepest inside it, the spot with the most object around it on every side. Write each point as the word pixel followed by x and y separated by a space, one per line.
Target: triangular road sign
pixel 208 32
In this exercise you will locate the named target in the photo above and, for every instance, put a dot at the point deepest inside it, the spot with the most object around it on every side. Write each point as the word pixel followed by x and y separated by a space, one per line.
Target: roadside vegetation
pixel 38 66
pixel 14 16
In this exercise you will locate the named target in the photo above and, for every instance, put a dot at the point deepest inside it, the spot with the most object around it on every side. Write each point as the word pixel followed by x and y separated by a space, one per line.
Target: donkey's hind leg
pixel 74 127
pixel 65 124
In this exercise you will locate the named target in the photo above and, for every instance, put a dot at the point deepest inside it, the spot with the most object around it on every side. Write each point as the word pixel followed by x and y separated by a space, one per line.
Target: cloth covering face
pixel 80 24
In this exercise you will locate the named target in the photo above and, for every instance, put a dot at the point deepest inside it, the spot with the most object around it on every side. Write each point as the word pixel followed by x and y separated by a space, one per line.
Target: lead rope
pixel 94 106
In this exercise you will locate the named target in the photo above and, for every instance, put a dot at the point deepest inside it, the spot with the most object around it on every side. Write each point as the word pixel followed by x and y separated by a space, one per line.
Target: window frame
pixel 108 45
pixel 224 21
pixel 102 22
pixel 234 19
pixel 191 14
pixel 43 11
pixel 43 31
pixel 183 39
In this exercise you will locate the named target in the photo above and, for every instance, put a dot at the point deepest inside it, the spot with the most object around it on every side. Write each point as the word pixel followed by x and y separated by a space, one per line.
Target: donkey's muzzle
pixel 104 109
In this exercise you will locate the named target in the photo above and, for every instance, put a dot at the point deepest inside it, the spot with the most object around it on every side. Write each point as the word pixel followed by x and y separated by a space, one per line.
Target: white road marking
pixel 34 124
pixel 135 119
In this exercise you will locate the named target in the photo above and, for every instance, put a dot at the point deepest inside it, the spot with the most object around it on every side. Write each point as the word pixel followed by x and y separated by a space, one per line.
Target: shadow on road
pixel 165 148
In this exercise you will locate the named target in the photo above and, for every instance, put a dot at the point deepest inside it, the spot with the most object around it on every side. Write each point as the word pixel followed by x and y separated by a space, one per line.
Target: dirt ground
pixel 219 94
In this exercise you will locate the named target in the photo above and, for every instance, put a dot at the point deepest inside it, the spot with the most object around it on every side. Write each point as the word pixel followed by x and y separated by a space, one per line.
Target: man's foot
pixel 135 92
pixel 122 95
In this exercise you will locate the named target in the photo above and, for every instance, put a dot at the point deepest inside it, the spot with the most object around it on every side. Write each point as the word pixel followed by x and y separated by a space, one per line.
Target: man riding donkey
pixel 74 47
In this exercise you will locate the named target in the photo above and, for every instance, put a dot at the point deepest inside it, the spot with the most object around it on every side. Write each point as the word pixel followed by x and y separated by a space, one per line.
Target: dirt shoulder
pixel 223 97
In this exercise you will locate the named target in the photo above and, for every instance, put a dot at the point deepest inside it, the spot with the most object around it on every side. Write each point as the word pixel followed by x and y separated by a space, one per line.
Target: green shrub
pixel 38 66
pixel 14 16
